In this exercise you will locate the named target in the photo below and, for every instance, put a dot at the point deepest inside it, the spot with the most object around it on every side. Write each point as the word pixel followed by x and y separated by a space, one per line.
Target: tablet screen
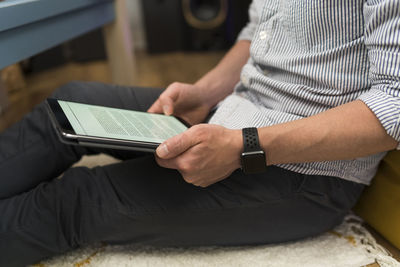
pixel 117 123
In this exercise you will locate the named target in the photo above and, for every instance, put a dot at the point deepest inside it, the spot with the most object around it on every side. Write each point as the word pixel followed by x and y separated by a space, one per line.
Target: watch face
pixel 253 162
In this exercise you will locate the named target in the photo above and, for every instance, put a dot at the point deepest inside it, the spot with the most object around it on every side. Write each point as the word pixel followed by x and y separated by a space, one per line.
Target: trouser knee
pixel 67 91
pixel 79 91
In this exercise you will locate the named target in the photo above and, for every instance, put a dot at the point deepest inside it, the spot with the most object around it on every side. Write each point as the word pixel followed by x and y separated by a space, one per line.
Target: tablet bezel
pixel 68 135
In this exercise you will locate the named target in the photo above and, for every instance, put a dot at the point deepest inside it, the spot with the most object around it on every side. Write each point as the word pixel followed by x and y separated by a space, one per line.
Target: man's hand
pixel 193 102
pixel 182 100
pixel 204 154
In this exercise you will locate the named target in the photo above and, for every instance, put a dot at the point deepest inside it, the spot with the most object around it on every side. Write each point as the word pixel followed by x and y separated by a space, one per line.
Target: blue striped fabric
pixel 310 56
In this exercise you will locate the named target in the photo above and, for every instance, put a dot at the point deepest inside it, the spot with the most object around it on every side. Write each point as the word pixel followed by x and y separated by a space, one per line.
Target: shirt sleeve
pixel 248 31
pixel 382 38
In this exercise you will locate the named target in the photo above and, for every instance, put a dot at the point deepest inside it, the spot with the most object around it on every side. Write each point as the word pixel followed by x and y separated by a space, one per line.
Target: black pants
pixel 138 201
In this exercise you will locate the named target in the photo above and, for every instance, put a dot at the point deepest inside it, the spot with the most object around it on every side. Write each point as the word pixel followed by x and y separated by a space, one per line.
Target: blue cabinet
pixel 28 27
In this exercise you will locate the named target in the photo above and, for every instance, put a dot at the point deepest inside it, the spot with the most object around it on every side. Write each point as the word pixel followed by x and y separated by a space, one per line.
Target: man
pixel 320 80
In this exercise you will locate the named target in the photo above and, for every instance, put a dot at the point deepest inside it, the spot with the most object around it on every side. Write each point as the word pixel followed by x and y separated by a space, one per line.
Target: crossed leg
pixel 138 201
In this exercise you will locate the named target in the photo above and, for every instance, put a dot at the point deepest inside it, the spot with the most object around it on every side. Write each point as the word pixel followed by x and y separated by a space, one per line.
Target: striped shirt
pixel 309 56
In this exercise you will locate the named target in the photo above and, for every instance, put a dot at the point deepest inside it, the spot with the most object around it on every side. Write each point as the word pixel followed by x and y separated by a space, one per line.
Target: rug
pixel 348 245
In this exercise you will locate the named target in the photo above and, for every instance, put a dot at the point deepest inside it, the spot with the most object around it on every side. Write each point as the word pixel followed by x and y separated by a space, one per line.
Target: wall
pixel 137 24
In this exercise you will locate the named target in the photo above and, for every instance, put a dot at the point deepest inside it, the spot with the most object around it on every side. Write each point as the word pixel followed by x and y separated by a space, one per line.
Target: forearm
pixel 345 132
pixel 220 81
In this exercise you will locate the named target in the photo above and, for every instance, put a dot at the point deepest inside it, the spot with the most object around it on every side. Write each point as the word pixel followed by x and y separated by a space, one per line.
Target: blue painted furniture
pixel 28 27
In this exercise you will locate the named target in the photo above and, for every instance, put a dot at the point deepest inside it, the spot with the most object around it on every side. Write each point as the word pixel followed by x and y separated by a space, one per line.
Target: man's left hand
pixel 204 154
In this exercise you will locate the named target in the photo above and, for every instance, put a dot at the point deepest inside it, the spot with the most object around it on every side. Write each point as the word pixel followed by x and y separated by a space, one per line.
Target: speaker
pixel 88 47
pixel 193 24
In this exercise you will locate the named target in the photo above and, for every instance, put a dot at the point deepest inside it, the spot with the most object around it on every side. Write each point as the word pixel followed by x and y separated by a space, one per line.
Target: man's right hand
pixel 182 100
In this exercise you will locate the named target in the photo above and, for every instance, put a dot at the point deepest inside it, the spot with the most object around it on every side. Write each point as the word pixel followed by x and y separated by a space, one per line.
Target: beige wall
pixel 137 23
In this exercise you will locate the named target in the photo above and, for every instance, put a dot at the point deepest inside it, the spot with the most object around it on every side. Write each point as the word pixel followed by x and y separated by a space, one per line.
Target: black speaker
pixel 193 24
pixel 88 47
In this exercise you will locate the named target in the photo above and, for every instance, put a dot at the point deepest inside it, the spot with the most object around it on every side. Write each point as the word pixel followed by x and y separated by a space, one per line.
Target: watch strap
pixel 253 157
pixel 250 139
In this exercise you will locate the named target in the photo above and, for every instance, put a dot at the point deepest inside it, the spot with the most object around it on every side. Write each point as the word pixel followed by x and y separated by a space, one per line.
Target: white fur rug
pixel 350 245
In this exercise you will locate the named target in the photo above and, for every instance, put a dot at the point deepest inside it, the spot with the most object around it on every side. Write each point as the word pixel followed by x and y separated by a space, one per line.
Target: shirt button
pixel 263 35
pixel 245 80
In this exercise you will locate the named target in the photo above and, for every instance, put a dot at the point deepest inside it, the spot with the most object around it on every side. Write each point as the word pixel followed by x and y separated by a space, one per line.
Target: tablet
pixel 99 126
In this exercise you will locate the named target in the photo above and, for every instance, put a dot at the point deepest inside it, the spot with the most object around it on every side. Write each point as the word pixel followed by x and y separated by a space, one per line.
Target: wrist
pixel 267 140
pixel 236 143
pixel 215 86
pixel 208 91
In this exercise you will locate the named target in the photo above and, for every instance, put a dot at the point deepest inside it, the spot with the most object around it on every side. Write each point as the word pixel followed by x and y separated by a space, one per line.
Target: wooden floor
pixel 157 70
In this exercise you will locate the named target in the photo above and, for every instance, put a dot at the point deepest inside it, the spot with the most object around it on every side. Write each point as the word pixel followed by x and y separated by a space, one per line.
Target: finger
pixel 166 163
pixel 164 104
pixel 178 144
pixel 156 107
pixel 169 97
pixel 188 178
pixel 167 105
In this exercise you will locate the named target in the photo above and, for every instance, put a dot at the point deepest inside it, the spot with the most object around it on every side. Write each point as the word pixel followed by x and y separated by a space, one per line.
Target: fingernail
pixel 162 151
pixel 166 109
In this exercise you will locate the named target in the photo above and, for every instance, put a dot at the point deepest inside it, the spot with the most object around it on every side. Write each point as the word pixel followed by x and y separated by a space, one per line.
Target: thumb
pixel 175 146
pixel 164 104
pixel 167 105
pixel 168 98
pixel 155 108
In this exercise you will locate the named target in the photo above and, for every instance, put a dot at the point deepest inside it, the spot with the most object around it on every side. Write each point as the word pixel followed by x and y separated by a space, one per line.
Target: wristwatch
pixel 253 157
